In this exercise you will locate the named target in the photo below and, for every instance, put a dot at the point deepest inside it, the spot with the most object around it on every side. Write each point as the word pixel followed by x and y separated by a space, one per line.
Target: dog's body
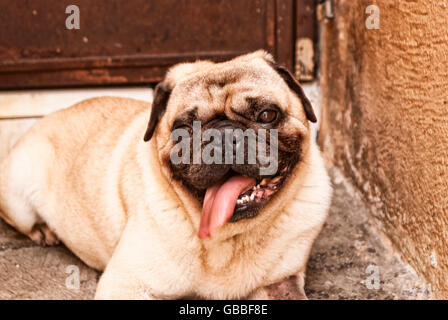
pixel 85 176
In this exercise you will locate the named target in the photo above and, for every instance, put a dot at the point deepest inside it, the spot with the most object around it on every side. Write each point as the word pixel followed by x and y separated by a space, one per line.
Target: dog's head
pixel 230 134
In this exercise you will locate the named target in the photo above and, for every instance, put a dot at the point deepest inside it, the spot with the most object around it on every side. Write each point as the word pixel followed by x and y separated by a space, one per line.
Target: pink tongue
pixel 219 203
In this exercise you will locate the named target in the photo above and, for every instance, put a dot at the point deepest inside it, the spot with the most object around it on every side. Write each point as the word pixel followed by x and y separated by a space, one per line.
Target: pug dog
pixel 107 181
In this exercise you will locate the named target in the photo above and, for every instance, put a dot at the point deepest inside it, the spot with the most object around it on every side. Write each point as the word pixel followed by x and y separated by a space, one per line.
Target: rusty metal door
pixel 135 41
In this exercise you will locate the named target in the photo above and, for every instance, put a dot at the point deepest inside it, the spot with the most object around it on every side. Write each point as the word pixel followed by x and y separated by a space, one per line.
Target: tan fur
pixel 87 174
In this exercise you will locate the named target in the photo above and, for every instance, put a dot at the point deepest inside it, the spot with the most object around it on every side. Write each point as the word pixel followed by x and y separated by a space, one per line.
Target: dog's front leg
pixel 116 285
pixel 291 288
pixel 137 272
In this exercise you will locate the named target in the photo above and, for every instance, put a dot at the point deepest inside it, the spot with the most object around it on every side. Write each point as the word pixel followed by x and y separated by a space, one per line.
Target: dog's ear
pixel 160 101
pixel 294 85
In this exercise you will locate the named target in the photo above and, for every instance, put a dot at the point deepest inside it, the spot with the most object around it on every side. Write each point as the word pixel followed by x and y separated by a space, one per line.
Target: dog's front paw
pixel 43 236
pixel 288 289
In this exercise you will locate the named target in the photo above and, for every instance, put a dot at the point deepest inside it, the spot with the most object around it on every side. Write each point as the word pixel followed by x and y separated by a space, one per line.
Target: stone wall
pixel 385 120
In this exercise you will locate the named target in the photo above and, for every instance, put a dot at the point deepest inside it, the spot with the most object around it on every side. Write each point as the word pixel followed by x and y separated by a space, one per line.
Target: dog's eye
pixel 267 116
pixel 180 125
pixel 183 127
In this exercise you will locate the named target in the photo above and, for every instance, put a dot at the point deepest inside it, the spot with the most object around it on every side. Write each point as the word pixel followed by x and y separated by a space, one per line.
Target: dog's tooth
pixel 252 196
pixel 264 182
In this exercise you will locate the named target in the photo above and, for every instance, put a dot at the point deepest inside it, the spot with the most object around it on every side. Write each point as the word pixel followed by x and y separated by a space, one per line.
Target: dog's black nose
pixel 237 139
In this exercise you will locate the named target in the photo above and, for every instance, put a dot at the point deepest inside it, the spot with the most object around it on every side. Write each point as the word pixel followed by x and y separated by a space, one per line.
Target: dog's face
pixel 240 126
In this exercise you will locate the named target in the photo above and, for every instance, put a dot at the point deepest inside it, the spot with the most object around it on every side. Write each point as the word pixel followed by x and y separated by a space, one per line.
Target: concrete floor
pixel 347 246
pixel 351 259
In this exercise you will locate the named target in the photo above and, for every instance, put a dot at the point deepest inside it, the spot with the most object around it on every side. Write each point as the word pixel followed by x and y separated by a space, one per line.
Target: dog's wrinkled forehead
pixel 217 72
pixel 219 87
pixel 213 88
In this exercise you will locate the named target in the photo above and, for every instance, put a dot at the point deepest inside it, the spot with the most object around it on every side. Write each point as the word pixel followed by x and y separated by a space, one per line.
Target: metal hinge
pixel 325 10
pixel 305 63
